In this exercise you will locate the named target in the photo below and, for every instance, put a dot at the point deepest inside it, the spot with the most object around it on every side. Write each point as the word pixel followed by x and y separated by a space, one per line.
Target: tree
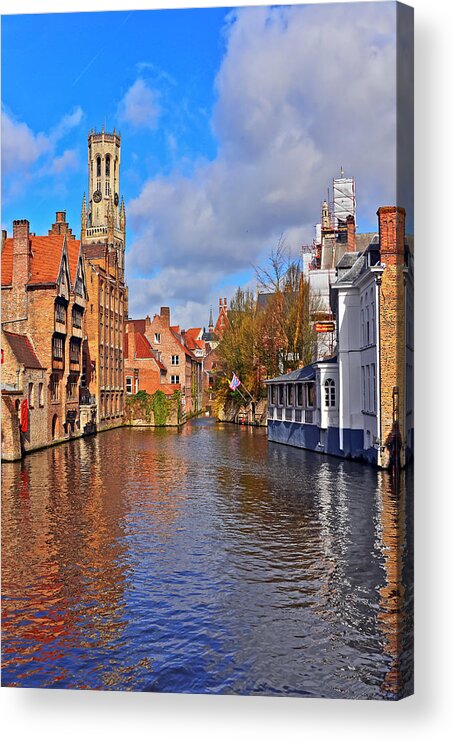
pixel 269 335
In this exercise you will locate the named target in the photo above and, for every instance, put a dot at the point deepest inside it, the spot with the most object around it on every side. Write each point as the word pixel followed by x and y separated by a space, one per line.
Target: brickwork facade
pixel 103 237
pixel 44 298
pixel 392 345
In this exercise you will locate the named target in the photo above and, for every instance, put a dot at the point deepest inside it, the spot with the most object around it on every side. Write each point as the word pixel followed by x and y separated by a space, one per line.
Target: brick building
pixel 179 367
pixel 144 371
pixel 103 239
pixel 43 306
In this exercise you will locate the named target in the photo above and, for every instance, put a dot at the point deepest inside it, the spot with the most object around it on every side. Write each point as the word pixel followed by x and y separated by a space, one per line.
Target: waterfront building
pixel 179 368
pixel 143 367
pixel 44 300
pixel 359 403
pixel 103 239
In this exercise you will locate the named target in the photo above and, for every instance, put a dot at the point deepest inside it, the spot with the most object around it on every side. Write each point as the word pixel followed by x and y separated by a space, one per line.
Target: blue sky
pixel 233 123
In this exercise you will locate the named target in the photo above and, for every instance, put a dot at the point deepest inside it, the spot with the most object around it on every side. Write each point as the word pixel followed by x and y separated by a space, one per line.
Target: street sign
pixel 324 326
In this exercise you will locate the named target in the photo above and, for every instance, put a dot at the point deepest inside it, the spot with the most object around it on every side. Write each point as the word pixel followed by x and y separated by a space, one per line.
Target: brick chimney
pixel 60 225
pixel 392 336
pixel 21 267
pixel 165 314
pixel 350 224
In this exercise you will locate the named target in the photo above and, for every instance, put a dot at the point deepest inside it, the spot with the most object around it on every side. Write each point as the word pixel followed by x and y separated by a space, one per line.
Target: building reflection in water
pixel 395 615
pixel 204 560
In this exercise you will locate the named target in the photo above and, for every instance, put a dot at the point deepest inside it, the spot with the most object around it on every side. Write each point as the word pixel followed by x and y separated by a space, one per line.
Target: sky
pixel 233 123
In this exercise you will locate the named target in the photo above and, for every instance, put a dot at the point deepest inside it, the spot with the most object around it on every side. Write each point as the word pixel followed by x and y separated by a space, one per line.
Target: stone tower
pixel 103 213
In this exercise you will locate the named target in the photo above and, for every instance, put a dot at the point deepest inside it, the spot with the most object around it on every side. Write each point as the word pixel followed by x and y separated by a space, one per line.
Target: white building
pixel 359 403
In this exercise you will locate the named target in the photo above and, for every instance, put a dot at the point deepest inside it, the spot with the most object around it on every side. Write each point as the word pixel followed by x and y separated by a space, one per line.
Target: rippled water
pixel 205 560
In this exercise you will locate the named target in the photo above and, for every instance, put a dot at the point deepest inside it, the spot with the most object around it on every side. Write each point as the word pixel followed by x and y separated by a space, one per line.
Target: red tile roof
pixel 186 350
pixel 7 262
pixel 74 249
pixel 143 347
pixel 22 350
pixel 46 255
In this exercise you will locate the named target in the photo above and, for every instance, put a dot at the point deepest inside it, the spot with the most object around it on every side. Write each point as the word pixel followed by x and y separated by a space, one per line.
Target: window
pixel 71 386
pixel 373 324
pixel 310 395
pixel 98 167
pixel 57 348
pixel 273 393
pixel 31 395
pixel 364 395
pixel 329 388
pixel 60 313
pixel 175 379
pixel 41 394
pixel 75 348
pixel 157 337
pixel 77 317
pixel 300 395
pixel 175 360
pixel 55 388
pixel 367 318
pixel 290 395
pixel 373 384
pixel 281 394
pixel 129 384
pixel 108 166
pixel 368 389
pixel 79 288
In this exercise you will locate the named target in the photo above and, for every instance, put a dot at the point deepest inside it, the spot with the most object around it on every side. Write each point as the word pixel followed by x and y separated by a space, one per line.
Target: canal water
pixel 205 560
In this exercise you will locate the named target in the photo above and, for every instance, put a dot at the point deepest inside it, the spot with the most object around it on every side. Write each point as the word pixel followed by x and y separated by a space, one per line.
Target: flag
pixel 234 383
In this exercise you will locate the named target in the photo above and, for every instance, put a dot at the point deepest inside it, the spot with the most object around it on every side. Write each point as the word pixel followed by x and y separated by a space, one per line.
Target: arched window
pixel 108 166
pixel 98 167
pixel 329 388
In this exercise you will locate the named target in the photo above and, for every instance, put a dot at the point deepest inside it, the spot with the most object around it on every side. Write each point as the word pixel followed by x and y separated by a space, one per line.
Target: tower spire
pixel 211 320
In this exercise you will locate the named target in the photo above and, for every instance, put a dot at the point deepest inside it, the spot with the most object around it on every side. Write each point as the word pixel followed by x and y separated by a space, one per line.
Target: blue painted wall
pixel 309 437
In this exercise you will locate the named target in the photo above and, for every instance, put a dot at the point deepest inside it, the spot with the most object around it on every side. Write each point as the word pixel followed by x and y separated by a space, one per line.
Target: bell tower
pixel 103 215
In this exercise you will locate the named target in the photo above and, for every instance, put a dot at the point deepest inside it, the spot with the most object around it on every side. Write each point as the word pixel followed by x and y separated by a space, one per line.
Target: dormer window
pixel 157 337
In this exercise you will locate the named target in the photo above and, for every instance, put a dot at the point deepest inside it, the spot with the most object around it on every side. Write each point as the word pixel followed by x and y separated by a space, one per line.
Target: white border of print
pixel 72 715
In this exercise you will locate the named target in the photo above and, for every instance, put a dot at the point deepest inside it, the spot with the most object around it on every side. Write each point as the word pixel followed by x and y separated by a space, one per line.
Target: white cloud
pixel 20 145
pixel 139 106
pixel 67 161
pixel 22 148
pixel 301 91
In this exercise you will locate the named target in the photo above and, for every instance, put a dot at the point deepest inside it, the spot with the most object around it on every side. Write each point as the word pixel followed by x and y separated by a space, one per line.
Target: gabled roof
pixel 186 350
pixel 23 350
pixel 143 347
pixel 74 250
pixel 45 258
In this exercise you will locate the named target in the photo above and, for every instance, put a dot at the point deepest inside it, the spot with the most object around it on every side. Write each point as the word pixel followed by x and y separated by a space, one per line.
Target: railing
pixel 87 399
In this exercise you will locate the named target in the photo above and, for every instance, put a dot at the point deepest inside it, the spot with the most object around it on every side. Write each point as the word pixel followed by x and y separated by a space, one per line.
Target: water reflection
pixel 205 560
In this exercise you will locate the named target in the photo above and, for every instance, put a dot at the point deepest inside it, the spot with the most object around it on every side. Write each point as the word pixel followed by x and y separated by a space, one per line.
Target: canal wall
pixel 255 413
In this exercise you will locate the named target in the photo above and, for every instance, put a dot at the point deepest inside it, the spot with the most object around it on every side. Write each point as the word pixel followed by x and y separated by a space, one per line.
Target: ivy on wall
pixel 154 409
